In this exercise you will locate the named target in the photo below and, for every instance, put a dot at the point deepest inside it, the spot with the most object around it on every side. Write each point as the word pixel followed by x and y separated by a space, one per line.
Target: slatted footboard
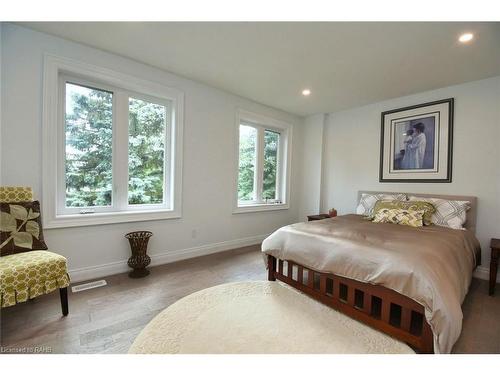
pixel 377 306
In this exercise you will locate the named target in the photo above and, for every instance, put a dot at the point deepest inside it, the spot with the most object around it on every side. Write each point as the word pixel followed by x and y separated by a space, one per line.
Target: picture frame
pixel 416 143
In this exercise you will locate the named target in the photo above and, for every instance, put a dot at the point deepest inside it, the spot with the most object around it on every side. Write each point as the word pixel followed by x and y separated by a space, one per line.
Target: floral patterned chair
pixel 27 269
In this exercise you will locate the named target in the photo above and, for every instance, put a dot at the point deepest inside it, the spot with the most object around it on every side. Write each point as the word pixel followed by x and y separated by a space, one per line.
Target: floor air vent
pixel 91 285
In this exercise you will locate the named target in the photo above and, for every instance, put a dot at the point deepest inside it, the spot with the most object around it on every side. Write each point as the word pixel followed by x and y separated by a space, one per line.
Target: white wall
pixel 312 144
pixel 209 160
pixel 352 146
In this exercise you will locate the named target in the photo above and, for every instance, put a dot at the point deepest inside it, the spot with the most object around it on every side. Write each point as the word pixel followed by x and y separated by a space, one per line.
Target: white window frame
pixel 262 123
pixel 59 70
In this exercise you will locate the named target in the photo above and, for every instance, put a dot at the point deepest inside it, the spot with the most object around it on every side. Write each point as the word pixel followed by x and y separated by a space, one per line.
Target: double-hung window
pixel 117 150
pixel 263 163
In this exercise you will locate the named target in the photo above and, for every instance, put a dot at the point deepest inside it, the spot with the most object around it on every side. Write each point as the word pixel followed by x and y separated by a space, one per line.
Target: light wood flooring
pixel 107 319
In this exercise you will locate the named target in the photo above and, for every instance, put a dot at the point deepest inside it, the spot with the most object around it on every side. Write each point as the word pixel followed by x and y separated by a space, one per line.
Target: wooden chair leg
pixel 63 293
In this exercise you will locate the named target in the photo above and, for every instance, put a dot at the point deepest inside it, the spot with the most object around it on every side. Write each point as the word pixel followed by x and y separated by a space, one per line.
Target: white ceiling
pixel 344 64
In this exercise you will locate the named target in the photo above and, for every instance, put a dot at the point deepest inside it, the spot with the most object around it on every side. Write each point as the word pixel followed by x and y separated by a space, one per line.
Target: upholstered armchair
pixel 27 268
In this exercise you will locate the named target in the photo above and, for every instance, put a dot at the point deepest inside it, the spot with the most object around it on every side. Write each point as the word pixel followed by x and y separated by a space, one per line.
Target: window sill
pixel 79 220
pixel 260 208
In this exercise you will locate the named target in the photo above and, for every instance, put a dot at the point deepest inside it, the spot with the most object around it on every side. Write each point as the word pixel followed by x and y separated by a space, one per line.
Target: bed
pixel 407 282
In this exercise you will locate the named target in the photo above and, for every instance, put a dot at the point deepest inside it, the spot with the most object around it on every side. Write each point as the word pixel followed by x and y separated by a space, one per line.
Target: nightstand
pixel 495 250
pixel 318 217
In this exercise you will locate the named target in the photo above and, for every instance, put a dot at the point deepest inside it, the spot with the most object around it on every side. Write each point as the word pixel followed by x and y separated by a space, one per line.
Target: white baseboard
pixel 484 273
pixel 93 272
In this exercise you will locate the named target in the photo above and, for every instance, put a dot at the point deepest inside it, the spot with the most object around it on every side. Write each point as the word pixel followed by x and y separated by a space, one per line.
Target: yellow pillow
pixel 400 216
pixel 427 207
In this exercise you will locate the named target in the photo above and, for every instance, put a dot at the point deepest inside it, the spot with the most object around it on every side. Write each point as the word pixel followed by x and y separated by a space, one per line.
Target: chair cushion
pixel 15 194
pixel 28 275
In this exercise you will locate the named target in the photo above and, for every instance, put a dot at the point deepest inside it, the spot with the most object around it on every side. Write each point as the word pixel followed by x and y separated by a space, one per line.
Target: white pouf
pixel 258 317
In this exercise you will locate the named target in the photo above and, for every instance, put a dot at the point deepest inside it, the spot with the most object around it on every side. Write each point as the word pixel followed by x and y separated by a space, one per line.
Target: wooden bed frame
pixel 381 308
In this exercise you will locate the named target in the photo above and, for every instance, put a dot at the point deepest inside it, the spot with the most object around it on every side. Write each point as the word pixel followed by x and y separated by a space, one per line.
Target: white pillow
pixel 367 201
pixel 451 214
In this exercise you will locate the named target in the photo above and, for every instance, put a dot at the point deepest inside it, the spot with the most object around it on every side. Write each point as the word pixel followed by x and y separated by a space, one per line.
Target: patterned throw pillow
pixel 20 228
pixel 427 207
pixel 451 214
pixel 400 216
pixel 367 201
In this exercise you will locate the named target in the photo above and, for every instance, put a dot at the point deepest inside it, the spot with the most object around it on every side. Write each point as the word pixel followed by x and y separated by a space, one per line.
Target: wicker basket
pixel 139 259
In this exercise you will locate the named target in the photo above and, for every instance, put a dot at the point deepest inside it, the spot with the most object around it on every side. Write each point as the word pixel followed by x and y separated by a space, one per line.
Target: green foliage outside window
pixel 271 142
pixel 248 140
pixel 246 178
pixel 89 140
pixel 146 150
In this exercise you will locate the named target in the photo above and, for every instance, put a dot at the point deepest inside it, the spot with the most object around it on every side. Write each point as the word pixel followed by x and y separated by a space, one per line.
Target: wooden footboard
pixel 376 306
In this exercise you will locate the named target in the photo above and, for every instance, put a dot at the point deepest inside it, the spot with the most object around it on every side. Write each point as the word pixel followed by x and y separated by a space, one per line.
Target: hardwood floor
pixel 107 319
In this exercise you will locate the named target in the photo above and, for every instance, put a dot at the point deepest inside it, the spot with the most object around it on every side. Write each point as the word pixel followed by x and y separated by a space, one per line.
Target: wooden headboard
pixel 470 223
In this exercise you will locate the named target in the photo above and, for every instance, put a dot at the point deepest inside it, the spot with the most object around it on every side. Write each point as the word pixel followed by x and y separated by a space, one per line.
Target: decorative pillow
pixel 20 228
pixel 451 214
pixel 427 207
pixel 15 194
pixel 400 216
pixel 367 201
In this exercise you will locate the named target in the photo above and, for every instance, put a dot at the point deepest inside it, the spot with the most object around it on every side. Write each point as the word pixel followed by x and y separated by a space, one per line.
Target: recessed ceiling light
pixel 466 37
pixel 306 92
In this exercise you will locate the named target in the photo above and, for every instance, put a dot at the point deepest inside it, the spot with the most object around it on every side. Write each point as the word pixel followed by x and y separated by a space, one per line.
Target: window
pixel 147 139
pixel 247 164
pixel 94 158
pixel 88 151
pixel 270 180
pixel 118 154
pixel 263 149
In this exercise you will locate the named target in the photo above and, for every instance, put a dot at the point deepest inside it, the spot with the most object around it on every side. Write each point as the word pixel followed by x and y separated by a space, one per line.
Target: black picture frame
pixel 449 165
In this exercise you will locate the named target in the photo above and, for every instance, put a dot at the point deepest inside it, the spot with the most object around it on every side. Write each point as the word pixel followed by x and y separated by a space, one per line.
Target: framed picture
pixel 416 143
